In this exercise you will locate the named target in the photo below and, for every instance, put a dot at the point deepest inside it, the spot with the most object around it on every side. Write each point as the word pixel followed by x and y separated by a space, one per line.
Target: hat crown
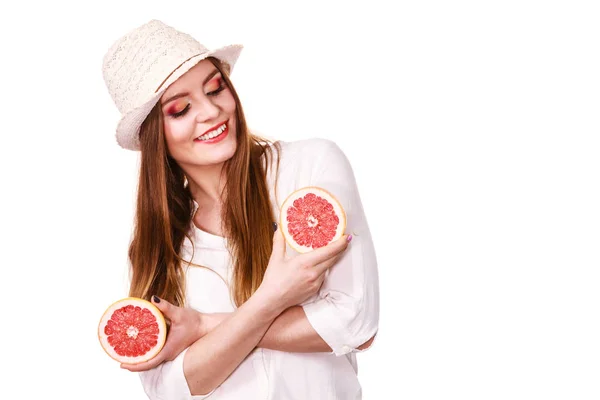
pixel 138 63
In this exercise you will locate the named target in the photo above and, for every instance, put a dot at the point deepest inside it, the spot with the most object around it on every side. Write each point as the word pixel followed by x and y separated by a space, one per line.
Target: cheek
pixel 227 102
pixel 175 134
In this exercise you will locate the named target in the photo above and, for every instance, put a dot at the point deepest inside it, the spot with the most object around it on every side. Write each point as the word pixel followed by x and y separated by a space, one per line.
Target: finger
pixel 145 366
pixel 168 309
pixel 321 254
pixel 278 245
pixel 322 267
pixel 165 354
pixel 320 281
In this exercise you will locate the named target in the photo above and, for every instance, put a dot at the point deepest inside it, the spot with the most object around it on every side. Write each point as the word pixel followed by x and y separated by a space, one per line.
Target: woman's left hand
pixel 187 326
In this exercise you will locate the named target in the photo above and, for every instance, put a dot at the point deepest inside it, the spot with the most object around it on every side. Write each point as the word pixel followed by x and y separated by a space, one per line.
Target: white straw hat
pixel 141 65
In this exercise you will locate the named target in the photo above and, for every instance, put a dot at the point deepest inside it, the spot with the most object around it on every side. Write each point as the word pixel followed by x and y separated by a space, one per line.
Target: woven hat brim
pixel 128 128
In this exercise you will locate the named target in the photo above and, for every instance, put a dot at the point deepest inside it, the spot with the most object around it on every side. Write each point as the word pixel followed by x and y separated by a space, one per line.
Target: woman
pixel 248 318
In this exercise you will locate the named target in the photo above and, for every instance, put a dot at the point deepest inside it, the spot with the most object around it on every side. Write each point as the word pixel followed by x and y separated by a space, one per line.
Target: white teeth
pixel 212 134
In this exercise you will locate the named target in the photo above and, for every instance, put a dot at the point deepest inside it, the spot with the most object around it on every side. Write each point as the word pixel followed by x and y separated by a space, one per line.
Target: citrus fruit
pixel 310 218
pixel 132 330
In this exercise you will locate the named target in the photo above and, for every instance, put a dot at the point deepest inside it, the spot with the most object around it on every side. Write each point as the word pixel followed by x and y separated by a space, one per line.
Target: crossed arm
pixel 220 342
pixel 290 332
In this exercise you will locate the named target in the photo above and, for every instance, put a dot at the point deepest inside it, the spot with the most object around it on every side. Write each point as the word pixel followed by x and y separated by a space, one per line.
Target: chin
pixel 219 154
pixel 221 157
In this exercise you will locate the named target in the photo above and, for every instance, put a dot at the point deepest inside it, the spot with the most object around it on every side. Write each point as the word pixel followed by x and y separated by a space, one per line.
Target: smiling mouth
pixel 213 133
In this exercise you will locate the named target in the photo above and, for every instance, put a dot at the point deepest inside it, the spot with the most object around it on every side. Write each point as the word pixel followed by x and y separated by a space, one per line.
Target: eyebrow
pixel 178 95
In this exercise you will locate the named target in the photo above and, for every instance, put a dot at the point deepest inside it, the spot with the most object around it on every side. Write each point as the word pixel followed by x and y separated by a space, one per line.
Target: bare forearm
pixel 292 332
pixel 211 359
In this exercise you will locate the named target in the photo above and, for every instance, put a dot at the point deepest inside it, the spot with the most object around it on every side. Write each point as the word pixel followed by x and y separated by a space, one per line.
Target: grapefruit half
pixel 310 218
pixel 132 330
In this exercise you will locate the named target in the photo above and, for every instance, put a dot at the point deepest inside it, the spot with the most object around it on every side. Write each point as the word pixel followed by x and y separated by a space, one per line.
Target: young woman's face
pixel 199 117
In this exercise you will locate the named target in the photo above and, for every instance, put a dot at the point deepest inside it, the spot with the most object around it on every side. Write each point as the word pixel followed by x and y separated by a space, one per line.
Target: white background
pixel 472 127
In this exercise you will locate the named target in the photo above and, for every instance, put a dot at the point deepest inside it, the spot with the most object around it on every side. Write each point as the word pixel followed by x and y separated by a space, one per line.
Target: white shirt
pixel 345 312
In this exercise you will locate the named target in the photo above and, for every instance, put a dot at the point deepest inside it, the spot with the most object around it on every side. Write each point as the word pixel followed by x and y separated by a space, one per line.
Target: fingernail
pixel 274 226
pixel 349 239
pixel 155 299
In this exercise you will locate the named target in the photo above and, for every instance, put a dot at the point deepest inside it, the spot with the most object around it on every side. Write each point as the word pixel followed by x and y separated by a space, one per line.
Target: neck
pixel 207 183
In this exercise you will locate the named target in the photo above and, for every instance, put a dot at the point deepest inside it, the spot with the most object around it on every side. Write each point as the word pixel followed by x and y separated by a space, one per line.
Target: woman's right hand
pixel 186 326
pixel 290 281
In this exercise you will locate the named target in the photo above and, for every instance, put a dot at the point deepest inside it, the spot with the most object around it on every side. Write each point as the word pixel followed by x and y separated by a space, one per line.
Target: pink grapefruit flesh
pixel 310 218
pixel 132 330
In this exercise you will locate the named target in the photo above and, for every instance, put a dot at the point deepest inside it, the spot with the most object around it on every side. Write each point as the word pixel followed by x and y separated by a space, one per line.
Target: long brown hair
pixel 164 211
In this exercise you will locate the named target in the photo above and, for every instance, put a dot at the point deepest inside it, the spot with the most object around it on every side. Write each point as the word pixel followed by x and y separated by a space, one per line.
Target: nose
pixel 207 111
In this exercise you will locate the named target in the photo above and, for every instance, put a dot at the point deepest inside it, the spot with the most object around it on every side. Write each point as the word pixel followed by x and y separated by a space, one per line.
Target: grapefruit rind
pixel 162 329
pixel 283 223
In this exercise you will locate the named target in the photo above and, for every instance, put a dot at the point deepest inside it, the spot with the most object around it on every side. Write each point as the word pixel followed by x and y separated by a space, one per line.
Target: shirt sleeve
pixel 346 311
pixel 167 382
